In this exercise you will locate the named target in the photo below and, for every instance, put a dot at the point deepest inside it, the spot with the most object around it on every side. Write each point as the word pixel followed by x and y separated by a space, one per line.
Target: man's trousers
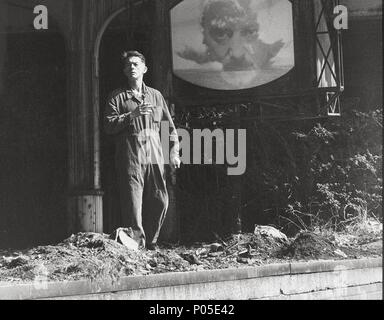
pixel 144 201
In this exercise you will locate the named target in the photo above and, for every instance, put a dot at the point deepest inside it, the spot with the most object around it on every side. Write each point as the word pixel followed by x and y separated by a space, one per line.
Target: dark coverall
pixel 139 160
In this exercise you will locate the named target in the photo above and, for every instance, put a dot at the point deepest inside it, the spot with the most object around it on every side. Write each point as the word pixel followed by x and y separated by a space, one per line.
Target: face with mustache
pixel 229 31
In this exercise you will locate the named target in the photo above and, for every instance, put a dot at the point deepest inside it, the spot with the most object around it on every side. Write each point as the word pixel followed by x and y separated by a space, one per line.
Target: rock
pixel 214 247
pixel 201 251
pixel 271 232
pixel 242 260
pixel 340 253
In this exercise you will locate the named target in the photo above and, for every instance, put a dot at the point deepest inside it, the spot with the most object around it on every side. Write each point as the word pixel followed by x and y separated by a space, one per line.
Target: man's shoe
pixel 152 246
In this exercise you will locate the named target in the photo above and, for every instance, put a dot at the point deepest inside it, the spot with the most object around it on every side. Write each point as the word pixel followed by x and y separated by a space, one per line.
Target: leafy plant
pixel 345 164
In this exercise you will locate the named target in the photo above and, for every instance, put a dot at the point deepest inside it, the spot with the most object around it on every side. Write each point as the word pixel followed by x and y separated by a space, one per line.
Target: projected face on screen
pixel 232 44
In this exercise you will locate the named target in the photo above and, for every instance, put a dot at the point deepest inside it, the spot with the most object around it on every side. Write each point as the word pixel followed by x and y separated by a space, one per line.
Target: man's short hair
pixel 128 54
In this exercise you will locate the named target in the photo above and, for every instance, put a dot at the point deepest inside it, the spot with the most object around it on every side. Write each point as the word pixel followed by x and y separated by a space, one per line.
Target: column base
pixel 85 212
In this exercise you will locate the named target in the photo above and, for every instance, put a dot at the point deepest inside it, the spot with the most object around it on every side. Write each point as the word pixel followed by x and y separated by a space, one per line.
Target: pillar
pixel 85 194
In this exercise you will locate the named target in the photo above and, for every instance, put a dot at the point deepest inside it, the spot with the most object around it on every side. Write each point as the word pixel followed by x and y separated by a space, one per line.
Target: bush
pixel 299 176
pixel 345 170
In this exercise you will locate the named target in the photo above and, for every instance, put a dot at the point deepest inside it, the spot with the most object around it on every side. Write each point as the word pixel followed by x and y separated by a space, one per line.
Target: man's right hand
pixel 142 110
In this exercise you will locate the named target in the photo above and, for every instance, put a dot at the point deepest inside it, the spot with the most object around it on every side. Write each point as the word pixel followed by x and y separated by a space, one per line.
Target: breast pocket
pixel 129 106
pixel 157 113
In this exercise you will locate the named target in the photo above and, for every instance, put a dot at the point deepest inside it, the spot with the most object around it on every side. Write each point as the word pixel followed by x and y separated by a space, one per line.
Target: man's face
pixel 134 68
pixel 229 33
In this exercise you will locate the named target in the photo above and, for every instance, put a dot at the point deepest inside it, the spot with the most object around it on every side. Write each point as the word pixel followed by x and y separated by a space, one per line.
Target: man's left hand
pixel 175 162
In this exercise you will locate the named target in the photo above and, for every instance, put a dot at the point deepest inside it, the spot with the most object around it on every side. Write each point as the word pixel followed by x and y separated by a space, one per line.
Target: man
pixel 133 115
pixel 231 35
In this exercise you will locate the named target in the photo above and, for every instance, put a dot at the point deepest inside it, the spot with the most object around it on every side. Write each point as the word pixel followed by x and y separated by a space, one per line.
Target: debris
pixel 309 245
pixel 128 241
pixel 191 258
pixel 72 268
pixel 15 262
pixel 94 256
pixel 153 263
pixel 340 253
pixel 216 254
pixel 242 260
pixel 269 231
pixel 125 236
pixel 244 253
pixel 219 238
pixel 214 247
pixel 373 245
pixel 86 239
pixel 201 251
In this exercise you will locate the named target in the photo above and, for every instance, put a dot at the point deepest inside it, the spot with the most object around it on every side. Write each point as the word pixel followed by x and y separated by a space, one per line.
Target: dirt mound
pixel 84 255
pixel 92 256
pixel 95 256
pixel 259 244
pixel 310 245
pixel 238 249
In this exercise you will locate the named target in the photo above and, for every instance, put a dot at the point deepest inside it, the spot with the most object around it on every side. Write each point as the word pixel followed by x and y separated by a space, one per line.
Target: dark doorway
pixel 33 143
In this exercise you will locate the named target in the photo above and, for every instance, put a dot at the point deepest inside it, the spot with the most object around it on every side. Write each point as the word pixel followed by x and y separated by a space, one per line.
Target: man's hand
pixel 142 110
pixel 175 162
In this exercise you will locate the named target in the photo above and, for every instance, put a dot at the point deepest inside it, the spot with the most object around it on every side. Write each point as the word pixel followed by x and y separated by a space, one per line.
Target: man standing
pixel 133 115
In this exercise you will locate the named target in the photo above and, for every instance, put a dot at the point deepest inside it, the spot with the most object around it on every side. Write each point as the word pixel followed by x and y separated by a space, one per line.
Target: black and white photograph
pixel 229 45
pixel 193 157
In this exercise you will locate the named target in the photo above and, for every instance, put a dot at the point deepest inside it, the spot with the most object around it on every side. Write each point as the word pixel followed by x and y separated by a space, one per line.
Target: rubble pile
pixel 95 256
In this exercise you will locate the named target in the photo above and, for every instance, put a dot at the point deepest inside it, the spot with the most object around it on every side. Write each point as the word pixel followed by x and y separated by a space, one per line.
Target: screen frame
pixel 189 93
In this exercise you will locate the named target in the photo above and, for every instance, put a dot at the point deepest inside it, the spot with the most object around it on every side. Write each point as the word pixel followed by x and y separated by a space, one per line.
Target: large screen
pixel 232 44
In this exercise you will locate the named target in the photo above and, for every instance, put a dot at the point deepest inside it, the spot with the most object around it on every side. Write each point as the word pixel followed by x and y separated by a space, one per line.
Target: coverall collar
pixel 132 96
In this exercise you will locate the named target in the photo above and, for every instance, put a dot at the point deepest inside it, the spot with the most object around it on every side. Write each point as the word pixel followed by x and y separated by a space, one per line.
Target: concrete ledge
pixel 66 288
pixel 330 265
pixel 317 281
pixel 289 279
